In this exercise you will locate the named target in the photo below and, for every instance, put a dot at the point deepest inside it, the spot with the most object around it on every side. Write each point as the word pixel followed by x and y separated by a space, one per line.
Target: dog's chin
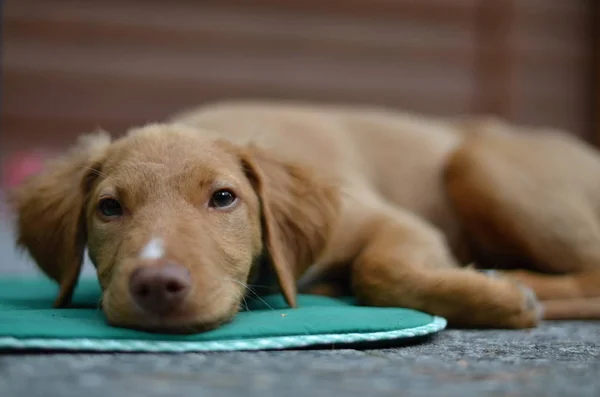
pixel 170 324
pixel 166 328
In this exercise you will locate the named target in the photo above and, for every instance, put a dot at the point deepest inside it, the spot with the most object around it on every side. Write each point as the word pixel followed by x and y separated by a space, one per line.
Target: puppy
pixel 182 219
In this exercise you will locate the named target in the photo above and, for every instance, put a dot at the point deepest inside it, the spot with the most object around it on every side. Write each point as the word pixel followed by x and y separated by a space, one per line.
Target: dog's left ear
pixel 299 211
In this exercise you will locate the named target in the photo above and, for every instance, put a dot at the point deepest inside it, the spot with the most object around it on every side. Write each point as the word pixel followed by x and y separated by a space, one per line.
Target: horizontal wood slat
pixel 437 11
pixel 69 66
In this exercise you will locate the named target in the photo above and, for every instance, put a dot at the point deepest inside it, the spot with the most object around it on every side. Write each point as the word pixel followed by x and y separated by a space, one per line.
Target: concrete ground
pixel 556 359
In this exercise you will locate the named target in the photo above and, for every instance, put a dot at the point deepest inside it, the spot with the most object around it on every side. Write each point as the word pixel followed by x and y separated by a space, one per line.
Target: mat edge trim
pixel 266 343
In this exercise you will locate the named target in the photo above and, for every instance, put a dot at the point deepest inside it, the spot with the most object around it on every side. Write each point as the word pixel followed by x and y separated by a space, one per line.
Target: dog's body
pixel 386 205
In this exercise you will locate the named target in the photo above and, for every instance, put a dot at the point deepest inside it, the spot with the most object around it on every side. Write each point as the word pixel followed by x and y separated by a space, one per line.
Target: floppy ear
pixel 50 212
pixel 299 211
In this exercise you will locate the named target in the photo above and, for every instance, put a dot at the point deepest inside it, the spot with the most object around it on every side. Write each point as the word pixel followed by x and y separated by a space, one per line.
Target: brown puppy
pixel 180 217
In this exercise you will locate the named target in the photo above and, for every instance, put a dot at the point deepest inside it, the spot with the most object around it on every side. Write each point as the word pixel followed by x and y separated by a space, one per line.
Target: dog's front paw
pixel 523 309
pixel 531 303
pixel 528 311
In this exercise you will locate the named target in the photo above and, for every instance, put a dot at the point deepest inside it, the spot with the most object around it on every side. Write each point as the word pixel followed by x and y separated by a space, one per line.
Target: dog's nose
pixel 160 289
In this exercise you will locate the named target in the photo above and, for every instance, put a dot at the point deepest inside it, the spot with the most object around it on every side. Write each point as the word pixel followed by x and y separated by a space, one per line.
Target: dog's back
pixel 397 156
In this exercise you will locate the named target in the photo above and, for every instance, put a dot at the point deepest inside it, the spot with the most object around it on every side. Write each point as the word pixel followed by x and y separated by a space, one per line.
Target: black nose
pixel 160 289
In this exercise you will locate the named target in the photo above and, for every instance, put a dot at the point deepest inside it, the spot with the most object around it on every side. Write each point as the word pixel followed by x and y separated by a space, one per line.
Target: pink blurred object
pixel 21 165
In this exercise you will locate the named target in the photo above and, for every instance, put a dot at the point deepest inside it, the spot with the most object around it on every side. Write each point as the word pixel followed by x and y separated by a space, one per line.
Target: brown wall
pixel 72 65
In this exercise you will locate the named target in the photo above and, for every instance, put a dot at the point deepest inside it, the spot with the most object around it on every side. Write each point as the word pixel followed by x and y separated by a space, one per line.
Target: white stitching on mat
pixel 267 343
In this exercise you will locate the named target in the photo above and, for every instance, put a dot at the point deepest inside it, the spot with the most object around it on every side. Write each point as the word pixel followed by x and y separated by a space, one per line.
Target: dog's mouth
pixel 183 320
pixel 169 324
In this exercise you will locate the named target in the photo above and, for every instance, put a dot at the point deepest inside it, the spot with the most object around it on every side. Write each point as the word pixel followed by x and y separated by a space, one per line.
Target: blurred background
pixel 70 66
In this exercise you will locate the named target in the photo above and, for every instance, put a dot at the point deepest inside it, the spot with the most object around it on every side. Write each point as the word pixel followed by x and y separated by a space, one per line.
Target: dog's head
pixel 177 223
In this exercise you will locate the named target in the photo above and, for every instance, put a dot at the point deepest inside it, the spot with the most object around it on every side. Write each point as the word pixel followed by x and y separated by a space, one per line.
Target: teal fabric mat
pixel 27 321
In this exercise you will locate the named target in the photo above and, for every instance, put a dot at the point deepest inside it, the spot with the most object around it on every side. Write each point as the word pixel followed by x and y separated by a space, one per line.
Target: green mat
pixel 27 321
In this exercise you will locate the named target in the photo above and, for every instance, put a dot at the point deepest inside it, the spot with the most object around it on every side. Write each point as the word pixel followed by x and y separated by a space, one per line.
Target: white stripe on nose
pixel 153 250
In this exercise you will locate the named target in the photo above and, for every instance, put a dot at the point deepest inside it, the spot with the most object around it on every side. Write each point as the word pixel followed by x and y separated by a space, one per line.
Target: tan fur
pixel 50 208
pixel 297 214
pixel 383 204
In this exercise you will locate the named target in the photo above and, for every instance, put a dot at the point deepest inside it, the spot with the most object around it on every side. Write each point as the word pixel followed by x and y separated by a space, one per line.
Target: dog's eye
pixel 110 208
pixel 223 198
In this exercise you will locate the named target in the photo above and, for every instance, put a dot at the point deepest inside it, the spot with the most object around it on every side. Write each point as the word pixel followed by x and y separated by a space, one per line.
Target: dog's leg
pixel 405 263
pixel 534 199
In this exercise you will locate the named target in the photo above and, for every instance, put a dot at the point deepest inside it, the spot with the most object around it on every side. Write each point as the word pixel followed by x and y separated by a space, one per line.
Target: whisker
pixel 259 285
pixel 107 272
pixel 242 295
pixel 99 305
pixel 102 174
pixel 244 302
pixel 252 291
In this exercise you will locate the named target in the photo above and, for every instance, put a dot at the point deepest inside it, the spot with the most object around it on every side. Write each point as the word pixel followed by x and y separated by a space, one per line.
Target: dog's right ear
pixel 50 212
